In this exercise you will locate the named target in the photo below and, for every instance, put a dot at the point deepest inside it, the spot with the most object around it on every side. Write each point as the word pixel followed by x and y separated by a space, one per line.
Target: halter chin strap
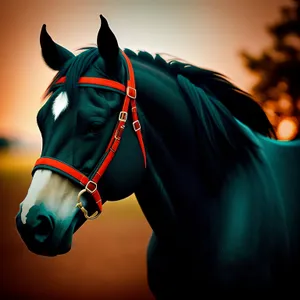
pixel 90 182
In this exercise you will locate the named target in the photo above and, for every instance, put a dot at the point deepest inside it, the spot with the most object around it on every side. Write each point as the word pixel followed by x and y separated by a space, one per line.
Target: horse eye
pixel 94 128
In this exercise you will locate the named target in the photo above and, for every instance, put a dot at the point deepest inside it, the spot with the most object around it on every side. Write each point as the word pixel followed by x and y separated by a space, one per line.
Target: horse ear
pixel 55 56
pixel 108 46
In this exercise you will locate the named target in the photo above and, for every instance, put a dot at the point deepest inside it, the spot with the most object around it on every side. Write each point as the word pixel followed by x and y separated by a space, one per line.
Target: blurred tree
pixel 278 69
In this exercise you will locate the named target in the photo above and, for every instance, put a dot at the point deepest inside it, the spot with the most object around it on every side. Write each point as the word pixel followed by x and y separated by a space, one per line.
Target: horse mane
pixel 238 102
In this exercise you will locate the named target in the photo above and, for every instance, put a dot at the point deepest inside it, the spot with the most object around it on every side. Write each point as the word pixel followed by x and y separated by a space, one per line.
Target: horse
pixel 219 190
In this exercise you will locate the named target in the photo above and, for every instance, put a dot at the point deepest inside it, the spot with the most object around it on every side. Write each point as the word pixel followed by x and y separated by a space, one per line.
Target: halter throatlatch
pixel 90 182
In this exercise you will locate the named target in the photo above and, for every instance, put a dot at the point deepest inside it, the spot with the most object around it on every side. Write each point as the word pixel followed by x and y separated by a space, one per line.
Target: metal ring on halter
pixel 81 207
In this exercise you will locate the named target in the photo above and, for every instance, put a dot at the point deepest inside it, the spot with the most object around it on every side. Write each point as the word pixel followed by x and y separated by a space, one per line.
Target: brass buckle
pixel 81 207
pixel 123 116
pixel 88 189
pixel 138 127
pixel 131 89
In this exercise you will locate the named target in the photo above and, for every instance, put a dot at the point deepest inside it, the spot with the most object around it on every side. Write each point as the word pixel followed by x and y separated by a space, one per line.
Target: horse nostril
pixel 44 228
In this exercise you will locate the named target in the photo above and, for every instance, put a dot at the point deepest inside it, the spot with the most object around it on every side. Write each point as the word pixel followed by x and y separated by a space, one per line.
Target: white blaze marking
pixel 57 193
pixel 60 104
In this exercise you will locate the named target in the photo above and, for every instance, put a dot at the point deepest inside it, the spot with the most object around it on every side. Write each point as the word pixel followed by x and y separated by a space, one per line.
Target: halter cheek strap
pixel 90 182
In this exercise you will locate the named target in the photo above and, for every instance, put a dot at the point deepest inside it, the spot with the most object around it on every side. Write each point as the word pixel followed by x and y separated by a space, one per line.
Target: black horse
pixel 221 195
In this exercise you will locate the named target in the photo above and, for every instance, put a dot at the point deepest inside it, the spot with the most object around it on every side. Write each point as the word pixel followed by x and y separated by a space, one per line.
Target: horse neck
pixel 172 183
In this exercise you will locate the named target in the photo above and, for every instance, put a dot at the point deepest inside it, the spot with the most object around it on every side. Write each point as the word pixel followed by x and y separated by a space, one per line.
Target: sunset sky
pixel 208 33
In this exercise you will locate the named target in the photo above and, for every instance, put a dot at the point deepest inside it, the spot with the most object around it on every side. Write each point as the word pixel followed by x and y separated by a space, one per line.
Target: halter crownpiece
pixel 90 182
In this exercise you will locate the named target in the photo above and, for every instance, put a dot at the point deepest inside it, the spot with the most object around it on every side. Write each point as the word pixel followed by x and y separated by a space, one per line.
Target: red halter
pixel 90 182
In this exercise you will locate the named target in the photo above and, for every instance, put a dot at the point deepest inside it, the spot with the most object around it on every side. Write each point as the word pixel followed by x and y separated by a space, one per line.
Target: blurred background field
pixel 107 261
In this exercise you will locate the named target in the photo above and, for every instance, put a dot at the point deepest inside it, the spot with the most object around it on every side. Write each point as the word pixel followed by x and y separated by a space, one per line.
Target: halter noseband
pixel 90 182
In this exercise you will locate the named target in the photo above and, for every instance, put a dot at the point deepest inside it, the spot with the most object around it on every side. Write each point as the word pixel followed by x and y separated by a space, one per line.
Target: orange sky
pixel 208 33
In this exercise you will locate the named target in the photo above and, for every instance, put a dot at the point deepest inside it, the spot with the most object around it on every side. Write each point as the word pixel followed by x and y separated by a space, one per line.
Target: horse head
pixel 81 125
